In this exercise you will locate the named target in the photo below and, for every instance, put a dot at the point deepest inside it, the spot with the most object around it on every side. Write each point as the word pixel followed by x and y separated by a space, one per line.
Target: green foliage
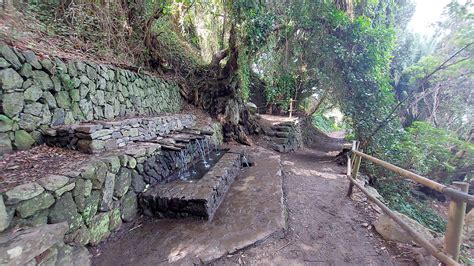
pixel 433 151
pixel 244 74
pixel 398 197
pixel 323 123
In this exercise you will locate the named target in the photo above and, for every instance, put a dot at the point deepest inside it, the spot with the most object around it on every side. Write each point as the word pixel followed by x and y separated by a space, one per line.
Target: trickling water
pixel 202 153
pixel 208 149
pixel 183 171
pixel 216 149
pixel 246 162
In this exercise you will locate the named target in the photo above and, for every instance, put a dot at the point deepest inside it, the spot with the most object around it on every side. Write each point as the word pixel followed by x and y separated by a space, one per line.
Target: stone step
pixel 200 198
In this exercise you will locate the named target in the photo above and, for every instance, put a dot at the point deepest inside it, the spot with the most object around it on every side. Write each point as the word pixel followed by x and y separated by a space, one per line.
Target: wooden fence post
pixel 354 169
pixel 456 211
pixel 291 107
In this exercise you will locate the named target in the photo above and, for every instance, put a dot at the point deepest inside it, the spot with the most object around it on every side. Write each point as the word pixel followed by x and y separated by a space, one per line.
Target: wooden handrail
pixel 450 192
pixel 439 254
pixel 457 206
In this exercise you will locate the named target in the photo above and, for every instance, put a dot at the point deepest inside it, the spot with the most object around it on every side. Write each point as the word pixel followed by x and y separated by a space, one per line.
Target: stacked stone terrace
pixel 110 135
pixel 40 92
pixel 286 136
pixel 127 123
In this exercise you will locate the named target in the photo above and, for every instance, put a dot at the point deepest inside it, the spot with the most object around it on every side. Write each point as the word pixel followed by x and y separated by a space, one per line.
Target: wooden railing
pixel 457 207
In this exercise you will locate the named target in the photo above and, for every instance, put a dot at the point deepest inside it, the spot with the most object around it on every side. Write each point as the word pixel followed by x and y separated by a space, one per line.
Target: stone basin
pixel 200 198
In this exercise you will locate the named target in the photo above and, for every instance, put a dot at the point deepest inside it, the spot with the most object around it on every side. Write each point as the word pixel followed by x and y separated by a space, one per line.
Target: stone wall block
pixel 4 216
pixel 23 192
pixel 65 210
pixel 99 228
pixel 53 182
pixel 90 207
pixel 122 182
pixel 29 207
pixel 129 206
pixel 107 192
pixel 10 56
pixel 115 220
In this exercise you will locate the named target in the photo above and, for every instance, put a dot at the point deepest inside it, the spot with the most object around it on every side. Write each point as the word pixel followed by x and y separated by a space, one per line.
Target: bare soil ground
pixel 324 226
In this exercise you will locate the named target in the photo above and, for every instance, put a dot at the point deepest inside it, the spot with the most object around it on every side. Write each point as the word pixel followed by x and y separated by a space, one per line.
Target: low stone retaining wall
pixel 286 136
pixel 106 136
pixel 95 198
pixel 200 198
pixel 37 93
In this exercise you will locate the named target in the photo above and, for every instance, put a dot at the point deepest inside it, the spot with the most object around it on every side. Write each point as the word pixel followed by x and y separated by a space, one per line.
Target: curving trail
pixel 324 226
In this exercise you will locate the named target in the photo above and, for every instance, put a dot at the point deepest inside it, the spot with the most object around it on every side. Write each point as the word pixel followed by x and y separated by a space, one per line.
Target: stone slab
pixel 19 247
pixel 251 211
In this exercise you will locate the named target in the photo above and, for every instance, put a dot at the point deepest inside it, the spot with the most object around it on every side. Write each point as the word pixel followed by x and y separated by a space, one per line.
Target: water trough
pixel 198 188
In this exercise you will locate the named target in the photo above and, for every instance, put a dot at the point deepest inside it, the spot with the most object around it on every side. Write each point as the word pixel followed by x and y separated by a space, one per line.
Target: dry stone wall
pixel 96 197
pixel 38 93
pixel 109 135
pixel 286 137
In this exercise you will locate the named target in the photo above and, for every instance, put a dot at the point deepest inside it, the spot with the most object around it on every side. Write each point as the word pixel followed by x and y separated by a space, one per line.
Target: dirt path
pixel 324 226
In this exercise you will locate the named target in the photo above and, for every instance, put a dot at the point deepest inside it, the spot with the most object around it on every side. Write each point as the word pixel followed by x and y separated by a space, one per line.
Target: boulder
pixel 49 99
pixel 115 220
pixel 73 255
pixel 63 100
pixel 81 236
pixel 26 70
pixel 33 109
pixel 58 117
pixel 66 188
pixel 37 219
pixel 390 230
pixel 4 63
pixel 21 246
pixel 31 58
pixel 42 80
pixel 29 122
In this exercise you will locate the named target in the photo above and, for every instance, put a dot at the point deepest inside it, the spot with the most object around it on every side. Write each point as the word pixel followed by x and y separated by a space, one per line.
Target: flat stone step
pixel 200 198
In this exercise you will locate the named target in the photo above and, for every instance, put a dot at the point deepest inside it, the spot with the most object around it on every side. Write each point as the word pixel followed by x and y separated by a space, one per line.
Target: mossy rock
pixel 23 140
pixel 99 228
pixel 115 220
